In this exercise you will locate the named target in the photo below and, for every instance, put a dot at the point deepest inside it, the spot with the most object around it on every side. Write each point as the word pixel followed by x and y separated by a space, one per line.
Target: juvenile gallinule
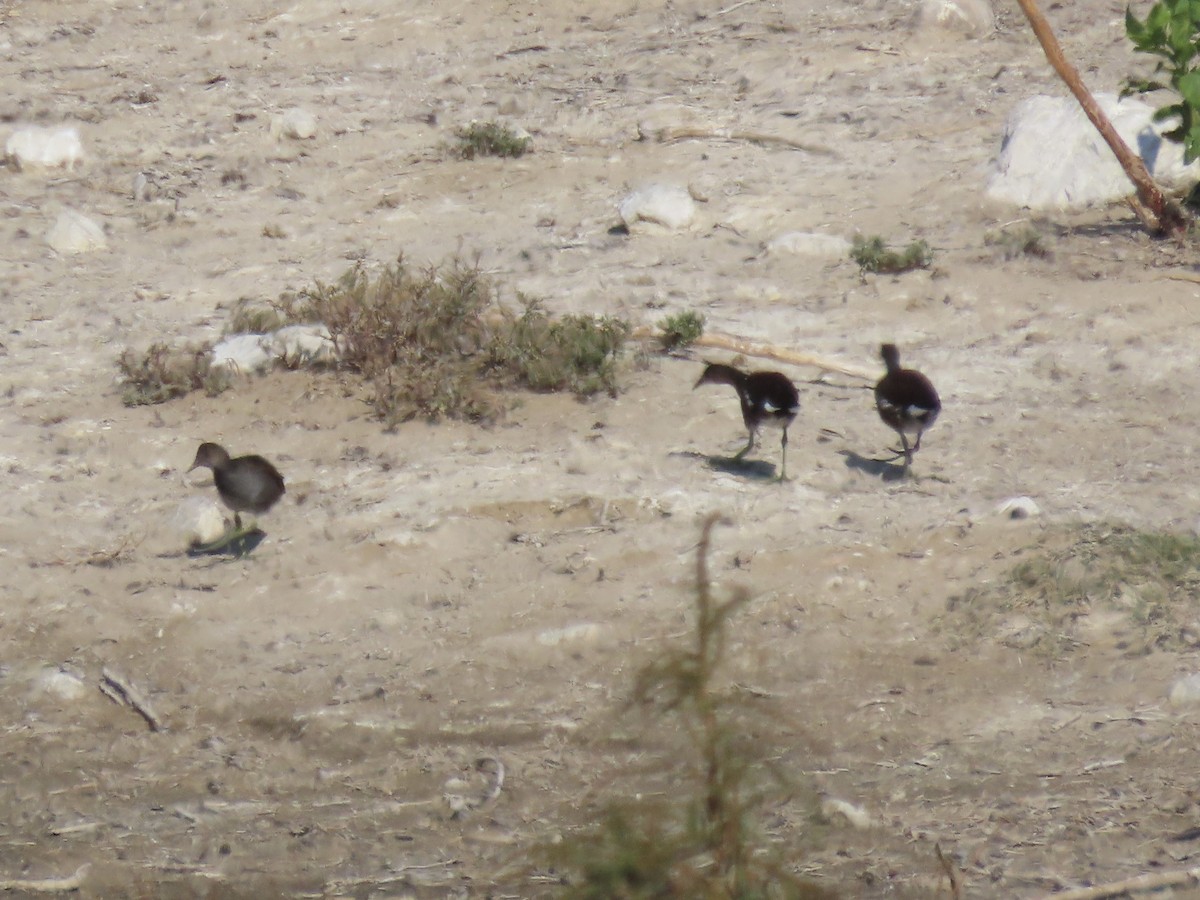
pixel 906 401
pixel 767 398
pixel 245 484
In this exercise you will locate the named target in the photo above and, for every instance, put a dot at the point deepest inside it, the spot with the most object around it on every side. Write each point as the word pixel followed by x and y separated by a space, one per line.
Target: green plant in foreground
pixel 1171 32
pixel 873 255
pixel 680 329
pixel 163 373
pixel 490 139
pixel 705 846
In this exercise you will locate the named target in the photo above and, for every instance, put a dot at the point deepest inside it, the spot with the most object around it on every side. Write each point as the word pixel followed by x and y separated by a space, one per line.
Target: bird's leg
pixel 917 445
pixel 908 451
pixel 749 446
pixel 783 463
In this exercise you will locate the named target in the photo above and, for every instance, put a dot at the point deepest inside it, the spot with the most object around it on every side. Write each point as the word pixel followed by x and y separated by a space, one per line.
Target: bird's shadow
pixel 883 469
pixel 235 544
pixel 756 469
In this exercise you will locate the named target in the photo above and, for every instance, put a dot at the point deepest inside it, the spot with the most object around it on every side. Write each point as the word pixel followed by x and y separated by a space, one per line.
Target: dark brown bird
pixel 906 401
pixel 245 484
pixel 767 398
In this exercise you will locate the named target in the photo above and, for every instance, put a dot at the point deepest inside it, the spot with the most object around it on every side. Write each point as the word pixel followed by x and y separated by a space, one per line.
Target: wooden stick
pixel 688 132
pixel 1141 884
pixel 1158 213
pixel 767 351
pixel 48 885
pixel 120 691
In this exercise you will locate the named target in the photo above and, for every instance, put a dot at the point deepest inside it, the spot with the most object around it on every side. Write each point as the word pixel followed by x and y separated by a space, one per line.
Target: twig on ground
pixel 121 692
pixel 47 885
pixel 1141 884
pixel 688 132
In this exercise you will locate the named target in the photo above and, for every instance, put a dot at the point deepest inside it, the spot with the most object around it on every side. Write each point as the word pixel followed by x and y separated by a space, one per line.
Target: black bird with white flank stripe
pixel 906 401
pixel 767 398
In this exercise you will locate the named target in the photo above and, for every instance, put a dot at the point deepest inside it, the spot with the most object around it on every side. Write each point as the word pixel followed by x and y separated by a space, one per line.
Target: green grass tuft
pixel 680 329
pixel 873 255
pixel 490 139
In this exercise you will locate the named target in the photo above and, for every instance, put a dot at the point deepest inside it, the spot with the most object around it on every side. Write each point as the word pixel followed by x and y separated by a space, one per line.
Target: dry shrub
pixel 163 373
pixel 435 343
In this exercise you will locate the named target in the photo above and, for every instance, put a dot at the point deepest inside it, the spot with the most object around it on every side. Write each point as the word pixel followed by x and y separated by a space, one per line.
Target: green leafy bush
pixel 873 255
pixel 1171 32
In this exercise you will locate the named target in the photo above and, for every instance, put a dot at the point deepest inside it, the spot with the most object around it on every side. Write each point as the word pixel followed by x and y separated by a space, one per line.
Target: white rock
pixel 46 148
pixel 806 243
pixel 583 633
pixel 73 232
pixel 58 683
pixel 835 809
pixel 669 205
pixel 1052 157
pixel 1018 508
pixel 973 18
pixel 244 354
pixel 295 123
pixel 1185 691
pixel 302 345
pixel 198 520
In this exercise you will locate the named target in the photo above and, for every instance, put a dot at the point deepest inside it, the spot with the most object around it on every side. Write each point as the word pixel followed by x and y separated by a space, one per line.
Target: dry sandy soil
pixel 449 593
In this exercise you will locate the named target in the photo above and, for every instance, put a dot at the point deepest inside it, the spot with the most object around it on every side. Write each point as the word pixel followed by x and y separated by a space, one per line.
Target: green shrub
pixel 1171 32
pixel 490 139
pixel 873 255
pixel 680 329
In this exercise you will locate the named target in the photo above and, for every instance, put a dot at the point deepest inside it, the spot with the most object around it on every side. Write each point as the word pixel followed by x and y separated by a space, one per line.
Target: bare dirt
pixel 450 593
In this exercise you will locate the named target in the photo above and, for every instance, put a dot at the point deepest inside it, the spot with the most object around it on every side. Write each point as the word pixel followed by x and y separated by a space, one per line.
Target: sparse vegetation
pixel 873 255
pixel 253 316
pixel 435 343
pixel 490 139
pixel 432 343
pixel 1152 577
pixel 706 845
pixel 1022 239
pixel 163 373
pixel 680 329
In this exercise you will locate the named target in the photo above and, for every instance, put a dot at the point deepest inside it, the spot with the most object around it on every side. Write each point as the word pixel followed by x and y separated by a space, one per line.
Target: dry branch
pixel 1157 212
pixel 47 885
pixel 768 351
pixel 1142 884
pixel 120 691
pixel 689 132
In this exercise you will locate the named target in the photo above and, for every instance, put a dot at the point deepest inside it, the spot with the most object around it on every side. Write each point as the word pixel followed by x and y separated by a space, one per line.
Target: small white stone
pixel 1018 508
pixel 243 354
pixel 73 232
pixel 46 148
pixel 806 243
pixel 973 18
pixel 295 123
pixel 58 683
pixel 668 205
pixel 1185 691
pixel 584 632
pixel 198 520
pixel 302 345
pixel 834 809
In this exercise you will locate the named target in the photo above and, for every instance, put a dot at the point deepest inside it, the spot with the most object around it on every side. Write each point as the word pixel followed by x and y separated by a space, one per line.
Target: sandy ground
pixel 450 593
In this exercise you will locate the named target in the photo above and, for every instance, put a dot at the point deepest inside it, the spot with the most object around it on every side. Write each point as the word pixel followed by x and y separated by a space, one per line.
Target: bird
pixel 245 484
pixel 767 398
pixel 906 401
